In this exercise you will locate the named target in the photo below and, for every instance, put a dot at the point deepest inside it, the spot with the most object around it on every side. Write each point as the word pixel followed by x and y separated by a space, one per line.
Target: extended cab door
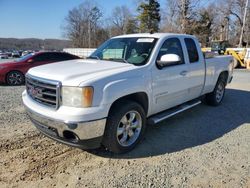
pixel 169 85
pixel 196 68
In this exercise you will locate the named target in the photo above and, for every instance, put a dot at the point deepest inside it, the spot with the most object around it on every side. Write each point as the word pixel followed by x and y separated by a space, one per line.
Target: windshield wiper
pixel 93 57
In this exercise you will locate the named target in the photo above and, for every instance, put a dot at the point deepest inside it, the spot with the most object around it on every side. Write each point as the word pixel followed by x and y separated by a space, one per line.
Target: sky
pixel 44 18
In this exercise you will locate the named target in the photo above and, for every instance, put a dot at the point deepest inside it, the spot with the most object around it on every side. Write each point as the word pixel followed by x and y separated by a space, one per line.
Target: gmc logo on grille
pixel 35 92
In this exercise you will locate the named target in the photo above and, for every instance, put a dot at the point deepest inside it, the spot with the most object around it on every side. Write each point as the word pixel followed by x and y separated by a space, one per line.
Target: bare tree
pixel 234 11
pixel 170 17
pixel 180 15
pixel 82 24
pixel 73 27
pixel 122 22
pixel 247 32
pixel 120 17
pixel 244 24
pixel 202 25
pixel 208 20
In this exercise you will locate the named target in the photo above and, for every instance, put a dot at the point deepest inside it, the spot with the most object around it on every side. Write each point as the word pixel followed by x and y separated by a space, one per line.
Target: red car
pixel 13 73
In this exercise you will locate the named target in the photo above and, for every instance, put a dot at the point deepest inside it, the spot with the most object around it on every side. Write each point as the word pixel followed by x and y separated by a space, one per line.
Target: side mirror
pixel 30 61
pixel 168 59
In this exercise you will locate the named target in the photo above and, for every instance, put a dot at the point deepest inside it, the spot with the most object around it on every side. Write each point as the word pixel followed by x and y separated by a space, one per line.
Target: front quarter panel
pixel 107 90
pixel 119 88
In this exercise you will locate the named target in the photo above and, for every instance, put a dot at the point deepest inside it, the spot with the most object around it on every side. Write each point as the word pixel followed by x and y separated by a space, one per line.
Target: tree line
pixel 33 44
pixel 86 26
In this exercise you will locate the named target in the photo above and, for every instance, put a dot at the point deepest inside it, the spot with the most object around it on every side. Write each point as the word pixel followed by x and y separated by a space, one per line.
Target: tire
pixel 125 126
pixel 215 98
pixel 15 78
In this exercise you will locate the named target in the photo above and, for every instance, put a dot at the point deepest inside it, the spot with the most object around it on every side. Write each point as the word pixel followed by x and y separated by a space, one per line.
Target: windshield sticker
pixel 145 40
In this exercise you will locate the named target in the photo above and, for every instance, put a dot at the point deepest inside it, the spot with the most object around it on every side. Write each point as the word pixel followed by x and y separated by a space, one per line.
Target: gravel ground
pixel 202 147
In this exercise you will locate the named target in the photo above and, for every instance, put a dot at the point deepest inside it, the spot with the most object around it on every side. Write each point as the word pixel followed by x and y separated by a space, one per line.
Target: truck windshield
pixel 134 50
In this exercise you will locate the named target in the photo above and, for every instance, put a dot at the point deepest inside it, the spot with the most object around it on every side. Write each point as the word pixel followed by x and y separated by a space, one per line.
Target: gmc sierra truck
pixel 128 82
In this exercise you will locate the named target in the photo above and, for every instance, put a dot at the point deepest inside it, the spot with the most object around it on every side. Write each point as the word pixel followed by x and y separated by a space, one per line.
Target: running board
pixel 172 111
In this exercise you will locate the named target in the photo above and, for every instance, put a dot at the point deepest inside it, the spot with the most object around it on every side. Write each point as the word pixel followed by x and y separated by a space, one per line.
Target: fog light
pixel 70 136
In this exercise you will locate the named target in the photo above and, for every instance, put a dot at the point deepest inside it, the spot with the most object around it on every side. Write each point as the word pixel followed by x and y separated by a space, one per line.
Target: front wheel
pixel 125 127
pixel 215 98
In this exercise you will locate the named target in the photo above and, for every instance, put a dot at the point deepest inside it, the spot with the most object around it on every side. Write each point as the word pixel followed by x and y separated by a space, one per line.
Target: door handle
pixel 183 73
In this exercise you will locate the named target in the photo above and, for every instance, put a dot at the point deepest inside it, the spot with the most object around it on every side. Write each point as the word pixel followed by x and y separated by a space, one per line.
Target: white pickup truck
pixel 128 82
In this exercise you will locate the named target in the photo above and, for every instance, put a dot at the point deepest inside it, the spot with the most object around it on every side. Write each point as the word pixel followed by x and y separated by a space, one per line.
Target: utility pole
pixel 248 31
pixel 244 23
pixel 227 28
pixel 89 34
pixel 184 14
pixel 247 28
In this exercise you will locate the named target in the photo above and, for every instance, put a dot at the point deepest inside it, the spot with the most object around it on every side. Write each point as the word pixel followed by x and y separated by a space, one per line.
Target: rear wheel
pixel 215 98
pixel 125 127
pixel 15 78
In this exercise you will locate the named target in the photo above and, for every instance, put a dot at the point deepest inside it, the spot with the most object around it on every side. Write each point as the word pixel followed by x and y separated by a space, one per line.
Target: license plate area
pixel 49 130
pixel 42 124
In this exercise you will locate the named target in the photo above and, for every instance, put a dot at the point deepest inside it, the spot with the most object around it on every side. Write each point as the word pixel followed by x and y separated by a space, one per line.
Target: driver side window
pixel 172 46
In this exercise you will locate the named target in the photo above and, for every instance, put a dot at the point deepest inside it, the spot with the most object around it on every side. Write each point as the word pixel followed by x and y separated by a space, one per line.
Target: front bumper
pixel 84 135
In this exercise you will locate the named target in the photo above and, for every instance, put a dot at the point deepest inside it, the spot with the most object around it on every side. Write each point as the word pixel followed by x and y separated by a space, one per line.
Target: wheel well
pixel 140 97
pixel 224 76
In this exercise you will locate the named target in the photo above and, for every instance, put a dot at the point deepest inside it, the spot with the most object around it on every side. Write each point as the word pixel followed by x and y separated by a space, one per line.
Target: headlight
pixel 77 97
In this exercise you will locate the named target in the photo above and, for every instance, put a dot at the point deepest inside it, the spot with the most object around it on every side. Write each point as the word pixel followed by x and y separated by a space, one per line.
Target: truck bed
pixel 214 65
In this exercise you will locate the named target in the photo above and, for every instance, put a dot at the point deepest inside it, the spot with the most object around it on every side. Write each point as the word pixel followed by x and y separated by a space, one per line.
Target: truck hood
pixel 74 72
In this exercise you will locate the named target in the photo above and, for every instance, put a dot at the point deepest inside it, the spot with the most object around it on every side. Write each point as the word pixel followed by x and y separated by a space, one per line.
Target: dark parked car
pixel 15 54
pixel 3 55
pixel 13 73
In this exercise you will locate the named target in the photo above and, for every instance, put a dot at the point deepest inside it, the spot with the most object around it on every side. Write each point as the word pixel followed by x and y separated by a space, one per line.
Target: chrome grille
pixel 43 91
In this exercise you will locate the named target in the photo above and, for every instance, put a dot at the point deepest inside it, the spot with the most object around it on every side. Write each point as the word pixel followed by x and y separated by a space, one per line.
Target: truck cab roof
pixel 154 35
